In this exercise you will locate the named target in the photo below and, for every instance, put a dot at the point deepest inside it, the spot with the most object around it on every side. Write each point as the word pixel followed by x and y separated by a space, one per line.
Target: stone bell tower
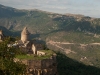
pixel 1 36
pixel 25 35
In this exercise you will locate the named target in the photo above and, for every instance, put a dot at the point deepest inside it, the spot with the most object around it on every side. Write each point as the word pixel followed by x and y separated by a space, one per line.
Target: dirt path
pixel 67 51
pixel 52 42
pixel 67 43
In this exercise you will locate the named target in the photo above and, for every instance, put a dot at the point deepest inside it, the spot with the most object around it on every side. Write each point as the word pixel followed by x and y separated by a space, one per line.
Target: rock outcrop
pixel 41 67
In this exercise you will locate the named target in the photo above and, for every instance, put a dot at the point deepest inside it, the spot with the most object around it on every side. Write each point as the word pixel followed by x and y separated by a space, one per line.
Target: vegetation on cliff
pixel 48 54
pixel 65 65
pixel 7 55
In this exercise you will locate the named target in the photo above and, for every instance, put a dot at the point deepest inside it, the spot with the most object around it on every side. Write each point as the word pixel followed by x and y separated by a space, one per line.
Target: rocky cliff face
pixel 41 67
pixel 48 71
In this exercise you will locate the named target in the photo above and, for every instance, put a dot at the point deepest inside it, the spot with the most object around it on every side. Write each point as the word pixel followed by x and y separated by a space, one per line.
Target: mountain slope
pixel 77 36
pixel 43 22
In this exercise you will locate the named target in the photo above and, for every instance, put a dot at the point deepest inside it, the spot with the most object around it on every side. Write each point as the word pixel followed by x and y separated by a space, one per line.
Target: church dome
pixel 25 35
pixel 25 31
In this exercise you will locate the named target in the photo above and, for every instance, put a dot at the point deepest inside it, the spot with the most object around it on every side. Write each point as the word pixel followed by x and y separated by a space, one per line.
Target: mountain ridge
pixel 45 24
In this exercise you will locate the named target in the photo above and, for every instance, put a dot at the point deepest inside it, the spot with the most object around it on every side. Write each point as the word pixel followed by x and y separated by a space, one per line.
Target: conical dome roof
pixel 1 32
pixel 25 31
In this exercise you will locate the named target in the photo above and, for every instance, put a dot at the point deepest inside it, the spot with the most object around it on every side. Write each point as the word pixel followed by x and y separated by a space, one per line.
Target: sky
pixel 85 7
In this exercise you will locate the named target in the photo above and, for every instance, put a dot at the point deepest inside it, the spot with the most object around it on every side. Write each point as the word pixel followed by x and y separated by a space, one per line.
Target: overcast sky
pixel 85 7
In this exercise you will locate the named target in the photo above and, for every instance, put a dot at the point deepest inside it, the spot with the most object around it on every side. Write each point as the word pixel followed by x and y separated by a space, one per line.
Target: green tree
pixel 7 64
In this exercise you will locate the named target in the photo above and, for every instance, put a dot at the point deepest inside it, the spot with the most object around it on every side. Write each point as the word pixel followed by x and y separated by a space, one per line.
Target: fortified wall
pixel 41 67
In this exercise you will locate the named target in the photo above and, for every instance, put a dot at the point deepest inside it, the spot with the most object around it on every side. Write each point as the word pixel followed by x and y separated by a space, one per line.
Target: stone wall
pixel 41 67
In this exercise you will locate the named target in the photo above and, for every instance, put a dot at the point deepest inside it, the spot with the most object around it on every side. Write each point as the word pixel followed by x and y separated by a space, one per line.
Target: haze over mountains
pixel 77 36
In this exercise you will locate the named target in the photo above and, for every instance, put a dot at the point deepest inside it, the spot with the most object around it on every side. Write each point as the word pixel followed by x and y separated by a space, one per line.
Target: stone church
pixel 28 45
pixel 25 43
pixel 46 66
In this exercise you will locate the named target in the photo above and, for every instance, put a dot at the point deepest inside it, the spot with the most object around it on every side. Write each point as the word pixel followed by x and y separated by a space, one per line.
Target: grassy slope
pixel 67 66
pixel 91 52
pixel 74 37
pixel 48 53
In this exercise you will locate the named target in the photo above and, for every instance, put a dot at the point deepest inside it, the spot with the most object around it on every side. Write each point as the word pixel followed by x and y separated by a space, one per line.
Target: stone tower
pixel 1 35
pixel 1 32
pixel 25 35
pixel 34 49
